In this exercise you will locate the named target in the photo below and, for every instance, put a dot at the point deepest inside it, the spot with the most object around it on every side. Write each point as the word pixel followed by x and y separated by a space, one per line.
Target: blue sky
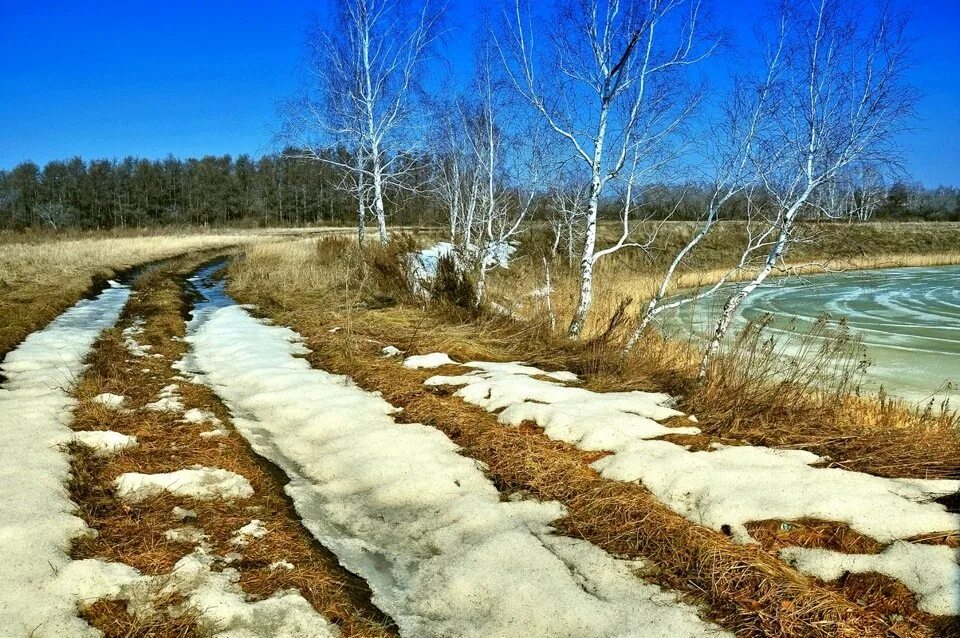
pixel 109 79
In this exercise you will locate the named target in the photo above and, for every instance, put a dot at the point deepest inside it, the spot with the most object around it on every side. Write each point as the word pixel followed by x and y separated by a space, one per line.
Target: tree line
pixel 274 190
pixel 284 189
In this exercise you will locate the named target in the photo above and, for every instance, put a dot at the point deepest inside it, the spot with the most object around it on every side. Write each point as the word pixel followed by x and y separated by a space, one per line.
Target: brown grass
pixel 748 588
pixel 134 533
pixel 634 274
pixel 41 279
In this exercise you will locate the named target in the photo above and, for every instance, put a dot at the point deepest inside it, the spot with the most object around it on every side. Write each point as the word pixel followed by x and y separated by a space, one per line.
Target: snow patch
pixel 182 514
pixel 104 442
pixel 724 488
pixel 426 262
pixel 195 415
pixel 222 608
pixel 432 360
pixel 253 529
pixel 591 420
pixel 129 338
pixel 731 486
pixel 110 400
pixel 168 400
pixel 188 534
pixel 402 508
pixel 37 519
pixel 931 572
pixel 203 483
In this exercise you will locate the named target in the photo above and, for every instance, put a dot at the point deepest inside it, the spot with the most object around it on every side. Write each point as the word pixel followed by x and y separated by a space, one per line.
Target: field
pixel 278 435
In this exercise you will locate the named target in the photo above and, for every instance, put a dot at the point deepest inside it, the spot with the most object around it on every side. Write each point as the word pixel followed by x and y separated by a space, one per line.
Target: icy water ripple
pixel 908 318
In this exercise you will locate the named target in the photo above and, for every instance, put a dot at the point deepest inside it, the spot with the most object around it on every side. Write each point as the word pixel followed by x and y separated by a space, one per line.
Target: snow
pixel 37 519
pixel 203 483
pixel 110 400
pixel 432 360
pixel 182 513
pixel 731 486
pixel 419 522
pixel 931 572
pixel 223 611
pixel 591 420
pixel 195 415
pixel 168 400
pixel 724 488
pixel 253 529
pixel 104 442
pixel 189 534
pixel 425 263
pixel 129 338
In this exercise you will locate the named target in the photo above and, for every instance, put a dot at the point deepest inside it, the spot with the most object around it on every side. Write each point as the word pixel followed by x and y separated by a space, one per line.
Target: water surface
pixel 908 318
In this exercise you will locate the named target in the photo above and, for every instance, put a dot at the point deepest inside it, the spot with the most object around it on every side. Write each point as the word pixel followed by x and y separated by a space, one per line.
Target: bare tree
pixel 365 70
pixel 611 86
pixel 477 175
pixel 568 210
pixel 840 98
pixel 745 112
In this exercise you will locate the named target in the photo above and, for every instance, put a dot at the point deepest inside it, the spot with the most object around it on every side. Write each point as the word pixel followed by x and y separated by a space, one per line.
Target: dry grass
pixel 748 588
pixel 39 280
pixel 135 533
pixel 634 274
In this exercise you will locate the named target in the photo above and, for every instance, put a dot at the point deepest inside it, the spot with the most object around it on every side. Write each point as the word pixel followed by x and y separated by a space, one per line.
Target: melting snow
pixel 129 338
pixel 424 263
pixel 188 534
pixel 421 523
pixel 203 483
pixel 168 400
pixel 110 400
pixel 432 360
pixel 223 609
pixel 105 442
pixel 728 487
pixel 182 514
pixel 37 520
pixel 932 572
pixel 725 487
pixel 194 415
pixel 253 529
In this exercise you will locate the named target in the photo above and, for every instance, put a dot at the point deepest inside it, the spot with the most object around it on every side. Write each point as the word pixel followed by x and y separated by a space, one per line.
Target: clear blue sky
pixel 109 79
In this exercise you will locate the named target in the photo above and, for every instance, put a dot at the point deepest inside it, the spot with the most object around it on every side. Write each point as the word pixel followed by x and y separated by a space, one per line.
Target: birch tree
pixel 611 84
pixel 746 111
pixel 365 72
pixel 841 98
pixel 479 171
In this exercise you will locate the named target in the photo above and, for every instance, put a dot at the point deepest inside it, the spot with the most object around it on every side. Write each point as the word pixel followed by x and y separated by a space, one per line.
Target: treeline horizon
pixel 283 189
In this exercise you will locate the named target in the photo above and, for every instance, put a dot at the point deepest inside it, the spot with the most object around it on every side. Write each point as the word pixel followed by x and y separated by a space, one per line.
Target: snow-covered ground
pixel 210 591
pixel 37 518
pixel 727 487
pixel 424 264
pixel 397 504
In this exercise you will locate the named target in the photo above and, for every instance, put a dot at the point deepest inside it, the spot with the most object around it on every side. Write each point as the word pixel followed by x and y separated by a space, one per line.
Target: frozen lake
pixel 908 318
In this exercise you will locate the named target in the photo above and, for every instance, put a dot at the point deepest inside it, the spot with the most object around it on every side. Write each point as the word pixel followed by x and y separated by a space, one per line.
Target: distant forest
pixel 283 189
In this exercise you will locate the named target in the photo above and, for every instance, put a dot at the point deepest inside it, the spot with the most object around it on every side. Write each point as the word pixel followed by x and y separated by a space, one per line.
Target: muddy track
pixel 145 535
